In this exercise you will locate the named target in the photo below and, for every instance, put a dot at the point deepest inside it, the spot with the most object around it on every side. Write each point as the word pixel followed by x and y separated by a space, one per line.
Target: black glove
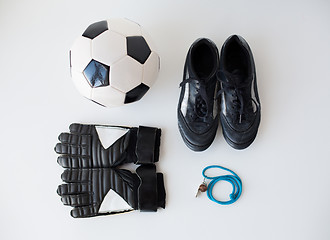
pixel 87 188
pixel 97 146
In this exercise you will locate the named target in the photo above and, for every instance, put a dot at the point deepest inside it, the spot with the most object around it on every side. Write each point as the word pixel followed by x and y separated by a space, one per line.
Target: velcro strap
pixel 147 145
pixel 147 191
pixel 161 190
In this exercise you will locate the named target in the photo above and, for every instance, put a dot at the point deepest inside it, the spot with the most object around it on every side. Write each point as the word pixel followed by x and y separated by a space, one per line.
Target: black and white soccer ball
pixel 114 62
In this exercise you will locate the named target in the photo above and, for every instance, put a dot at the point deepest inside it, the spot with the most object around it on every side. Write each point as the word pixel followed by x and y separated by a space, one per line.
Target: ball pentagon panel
pixel 138 48
pixel 97 74
pixel 136 93
pixel 95 29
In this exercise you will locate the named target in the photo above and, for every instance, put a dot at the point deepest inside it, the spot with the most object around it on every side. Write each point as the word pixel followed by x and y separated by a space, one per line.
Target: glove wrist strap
pixel 151 191
pixel 147 145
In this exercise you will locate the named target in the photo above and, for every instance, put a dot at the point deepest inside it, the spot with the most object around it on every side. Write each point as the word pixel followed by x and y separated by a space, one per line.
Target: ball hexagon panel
pixel 81 84
pixel 80 54
pixel 136 93
pixel 126 74
pixel 151 69
pixel 124 26
pixel 138 48
pixel 108 47
pixel 96 29
pixel 108 96
pixel 97 74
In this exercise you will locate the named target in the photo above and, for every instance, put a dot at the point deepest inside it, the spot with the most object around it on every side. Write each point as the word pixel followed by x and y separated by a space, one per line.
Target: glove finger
pixel 65 148
pixel 73 188
pixel 86 211
pixel 67 161
pixel 77 200
pixel 76 175
pixel 74 139
pixel 80 128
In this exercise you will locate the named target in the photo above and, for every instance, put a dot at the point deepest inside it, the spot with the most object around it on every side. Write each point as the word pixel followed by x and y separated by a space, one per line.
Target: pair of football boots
pixel 96 183
pixel 219 89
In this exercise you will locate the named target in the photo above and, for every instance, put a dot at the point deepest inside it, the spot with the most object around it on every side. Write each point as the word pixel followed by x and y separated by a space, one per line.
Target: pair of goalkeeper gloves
pixel 96 183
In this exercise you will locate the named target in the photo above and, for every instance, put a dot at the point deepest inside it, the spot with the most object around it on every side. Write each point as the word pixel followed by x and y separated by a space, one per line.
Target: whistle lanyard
pixel 233 179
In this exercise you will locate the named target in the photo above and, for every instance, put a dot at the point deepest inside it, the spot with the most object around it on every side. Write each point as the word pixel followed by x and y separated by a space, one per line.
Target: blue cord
pixel 233 179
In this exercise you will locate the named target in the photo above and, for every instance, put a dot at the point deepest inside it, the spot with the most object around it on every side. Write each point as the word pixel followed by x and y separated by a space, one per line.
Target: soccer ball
pixel 114 62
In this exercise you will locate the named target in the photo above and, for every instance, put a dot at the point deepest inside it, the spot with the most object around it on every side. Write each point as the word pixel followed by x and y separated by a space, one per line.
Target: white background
pixel 285 172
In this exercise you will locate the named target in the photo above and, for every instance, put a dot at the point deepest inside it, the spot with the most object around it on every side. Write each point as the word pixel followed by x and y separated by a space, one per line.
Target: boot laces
pixel 202 103
pixel 237 88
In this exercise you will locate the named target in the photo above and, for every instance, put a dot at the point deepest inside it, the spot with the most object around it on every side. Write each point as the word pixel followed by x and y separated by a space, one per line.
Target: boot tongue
pixel 192 73
pixel 237 75
pixel 237 72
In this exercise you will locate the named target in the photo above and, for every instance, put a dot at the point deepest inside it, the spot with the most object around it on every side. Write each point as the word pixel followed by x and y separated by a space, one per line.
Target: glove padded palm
pixel 99 146
pixel 85 190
